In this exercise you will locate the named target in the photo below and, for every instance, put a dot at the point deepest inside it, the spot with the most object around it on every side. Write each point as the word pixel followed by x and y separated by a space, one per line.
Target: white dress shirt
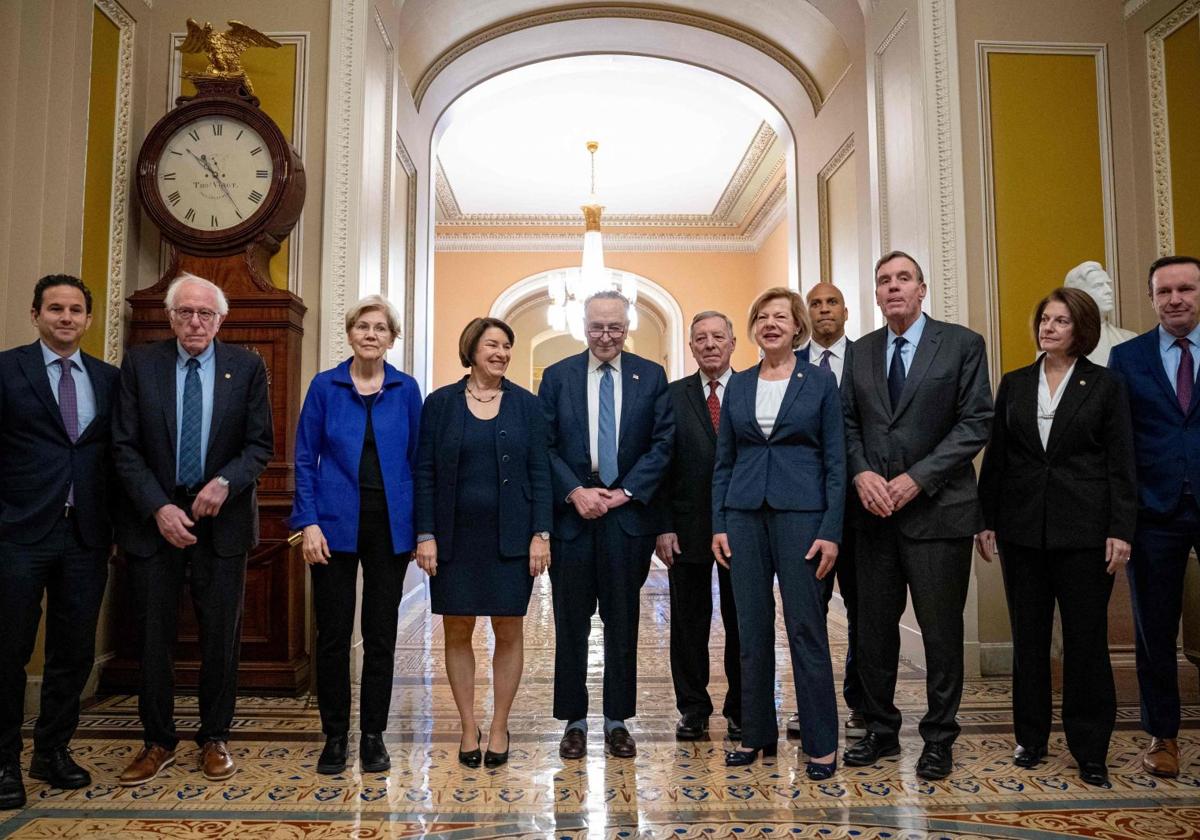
pixel 837 356
pixel 1047 403
pixel 722 381
pixel 593 397
pixel 768 398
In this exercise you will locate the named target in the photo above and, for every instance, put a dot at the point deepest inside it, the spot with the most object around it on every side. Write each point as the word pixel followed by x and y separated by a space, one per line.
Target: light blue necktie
pixel 606 438
pixel 190 471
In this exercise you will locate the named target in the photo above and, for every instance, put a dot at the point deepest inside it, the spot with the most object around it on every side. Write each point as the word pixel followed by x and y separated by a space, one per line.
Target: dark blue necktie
pixel 606 437
pixel 896 372
pixel 190 471
pixel 824 363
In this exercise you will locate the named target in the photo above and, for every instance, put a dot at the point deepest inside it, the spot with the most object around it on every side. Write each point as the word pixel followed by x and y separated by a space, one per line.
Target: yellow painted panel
pixel 273 74
pixel 1048 187
pixel 97 191
pixel 1181 53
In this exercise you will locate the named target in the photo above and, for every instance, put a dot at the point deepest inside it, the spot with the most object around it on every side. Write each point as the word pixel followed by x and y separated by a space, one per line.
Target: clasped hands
pixel 594 502
pixel 174 524
pixel 882 497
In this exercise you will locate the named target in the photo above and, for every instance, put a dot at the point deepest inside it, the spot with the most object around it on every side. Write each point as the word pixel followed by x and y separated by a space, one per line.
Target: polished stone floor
pixel 669 790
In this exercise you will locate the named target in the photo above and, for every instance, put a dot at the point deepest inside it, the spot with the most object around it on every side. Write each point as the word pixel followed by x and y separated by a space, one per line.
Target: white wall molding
pixel 410 250
pixel 389 93
pixel 573 242
pixel 885 239
pixel 1132 7
pixel 827 172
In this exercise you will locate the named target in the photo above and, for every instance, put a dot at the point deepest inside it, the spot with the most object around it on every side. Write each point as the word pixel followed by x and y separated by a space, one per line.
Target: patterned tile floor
pixel 670 790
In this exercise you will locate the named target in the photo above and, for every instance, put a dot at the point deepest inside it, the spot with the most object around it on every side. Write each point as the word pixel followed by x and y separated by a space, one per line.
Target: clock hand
pixel 203 161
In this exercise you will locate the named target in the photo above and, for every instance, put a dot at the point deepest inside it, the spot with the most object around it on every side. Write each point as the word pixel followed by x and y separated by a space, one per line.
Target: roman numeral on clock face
pixel 168 176
pixel 195 135
pixel 260 173
pixel 218 129
pixel 174 198
pixel 213 221
pixel 256 196
pixel 190 215
pixel 256 150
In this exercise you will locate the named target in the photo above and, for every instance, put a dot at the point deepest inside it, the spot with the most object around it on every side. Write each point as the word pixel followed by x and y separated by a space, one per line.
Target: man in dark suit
pixel 611 427
pixel 685 545
pixel 831 349
pixel 918 408
pixel 1159 368
pixel 55 527
pixel 191 436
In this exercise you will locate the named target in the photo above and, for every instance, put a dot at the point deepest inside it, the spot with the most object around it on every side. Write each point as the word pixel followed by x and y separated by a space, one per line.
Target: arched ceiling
pixel 430 28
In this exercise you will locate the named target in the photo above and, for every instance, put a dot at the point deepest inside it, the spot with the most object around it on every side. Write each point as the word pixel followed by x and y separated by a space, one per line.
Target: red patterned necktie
pixel 1185 376
pixel 714 405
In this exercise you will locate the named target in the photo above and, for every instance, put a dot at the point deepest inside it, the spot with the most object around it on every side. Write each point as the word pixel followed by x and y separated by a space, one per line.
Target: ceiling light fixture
pixel 570 288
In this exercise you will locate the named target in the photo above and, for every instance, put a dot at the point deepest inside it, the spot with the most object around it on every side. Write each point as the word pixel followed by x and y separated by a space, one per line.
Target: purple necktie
pixel 68 407
pixel 1185 376
pixel 824 363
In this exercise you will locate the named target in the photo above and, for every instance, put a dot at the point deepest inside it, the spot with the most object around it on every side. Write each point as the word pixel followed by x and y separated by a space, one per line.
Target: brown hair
pixel 892 255
pixel 1085 319
pixel 1163 262
pixel 798 307
pixel 468 342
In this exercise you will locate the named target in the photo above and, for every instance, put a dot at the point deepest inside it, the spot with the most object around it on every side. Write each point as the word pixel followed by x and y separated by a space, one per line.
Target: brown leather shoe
pixel 1162 758
pixel 151 760
pixel 620 743
pixel 215 761
pixel 573 744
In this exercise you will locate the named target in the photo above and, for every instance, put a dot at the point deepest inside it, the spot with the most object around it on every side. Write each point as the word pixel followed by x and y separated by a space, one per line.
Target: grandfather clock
pixel 219 180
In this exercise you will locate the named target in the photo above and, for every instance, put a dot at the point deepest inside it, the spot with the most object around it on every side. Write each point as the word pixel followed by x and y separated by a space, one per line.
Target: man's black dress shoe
pixel 59 769
pixel 573 744
pixel 1094 773
pixel 12 789
pixel 472 758
pixel 870 749
pixel 620 743
pixel 333 756
pixel 691 728
pixel 733 729
pixel 372 754
pixel 495 759
pixel 744 758
pixel 936 761
pixel 1028 757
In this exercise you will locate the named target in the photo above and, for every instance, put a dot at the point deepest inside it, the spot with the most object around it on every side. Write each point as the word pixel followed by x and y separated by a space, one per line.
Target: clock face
pixel 214 172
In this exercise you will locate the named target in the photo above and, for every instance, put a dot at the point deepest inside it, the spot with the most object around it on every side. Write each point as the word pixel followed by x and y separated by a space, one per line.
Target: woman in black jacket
pixel 1059 502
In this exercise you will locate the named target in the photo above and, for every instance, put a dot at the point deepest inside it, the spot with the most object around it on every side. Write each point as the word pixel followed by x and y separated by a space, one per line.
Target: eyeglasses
pixel 596 331
pixel 184 314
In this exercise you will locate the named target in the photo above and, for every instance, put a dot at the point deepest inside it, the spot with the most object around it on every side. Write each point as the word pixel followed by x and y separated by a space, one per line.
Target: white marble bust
pixel 1091 277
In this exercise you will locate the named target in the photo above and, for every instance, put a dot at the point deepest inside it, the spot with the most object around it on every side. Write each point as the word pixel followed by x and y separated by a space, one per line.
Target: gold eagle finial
pixel 224 49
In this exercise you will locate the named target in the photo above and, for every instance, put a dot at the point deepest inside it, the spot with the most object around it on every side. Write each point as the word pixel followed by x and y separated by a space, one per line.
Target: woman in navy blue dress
pixel 483 515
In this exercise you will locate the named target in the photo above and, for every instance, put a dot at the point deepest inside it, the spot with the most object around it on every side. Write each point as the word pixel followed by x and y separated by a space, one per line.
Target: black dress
pixel 477 580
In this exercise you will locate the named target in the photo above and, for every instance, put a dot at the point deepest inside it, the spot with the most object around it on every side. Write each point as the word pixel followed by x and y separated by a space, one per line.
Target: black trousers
pixel 1156 570
pixel 691 622
pixel 846 574
pixel 333 603
pixel 72 577
pixel 1034 579
pixel 936 573
pixel 603 566
pixel 217 586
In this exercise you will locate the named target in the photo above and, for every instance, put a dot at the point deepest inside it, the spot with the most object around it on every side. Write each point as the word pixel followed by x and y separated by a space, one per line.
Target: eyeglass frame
pixel 599 332
pixel 186 313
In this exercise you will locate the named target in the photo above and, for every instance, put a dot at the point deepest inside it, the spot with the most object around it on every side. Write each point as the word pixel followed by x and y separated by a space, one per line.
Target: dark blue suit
pixel 773 495
pixel 603 561
pixel 1166 442
pixel 44 552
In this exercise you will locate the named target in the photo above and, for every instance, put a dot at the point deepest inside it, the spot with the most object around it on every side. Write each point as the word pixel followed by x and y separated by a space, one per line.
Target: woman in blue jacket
pixel 779 490
pixel 483 516
pixel 356 447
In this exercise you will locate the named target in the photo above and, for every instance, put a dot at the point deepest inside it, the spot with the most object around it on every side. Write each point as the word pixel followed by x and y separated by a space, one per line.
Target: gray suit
pixel 939 425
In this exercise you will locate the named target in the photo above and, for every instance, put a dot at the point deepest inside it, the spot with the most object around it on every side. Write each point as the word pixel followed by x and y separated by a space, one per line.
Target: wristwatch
pixel 627 492
pixel 543 535
pixel 223 481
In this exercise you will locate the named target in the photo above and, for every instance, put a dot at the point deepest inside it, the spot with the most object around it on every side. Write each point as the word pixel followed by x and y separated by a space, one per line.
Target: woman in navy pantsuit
pixel 779 490
pixel 483 514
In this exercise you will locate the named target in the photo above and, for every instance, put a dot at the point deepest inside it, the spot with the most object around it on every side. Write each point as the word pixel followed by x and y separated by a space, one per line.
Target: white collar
pixel 594 363
pixel 838 348
pixel 50 357
pixel 723 379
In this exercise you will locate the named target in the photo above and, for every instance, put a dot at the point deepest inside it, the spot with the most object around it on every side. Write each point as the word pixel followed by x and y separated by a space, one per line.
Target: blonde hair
pixel 799 313
pixel 374 303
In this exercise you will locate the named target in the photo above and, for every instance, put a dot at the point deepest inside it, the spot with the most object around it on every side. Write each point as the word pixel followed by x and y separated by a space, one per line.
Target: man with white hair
pixel 191 436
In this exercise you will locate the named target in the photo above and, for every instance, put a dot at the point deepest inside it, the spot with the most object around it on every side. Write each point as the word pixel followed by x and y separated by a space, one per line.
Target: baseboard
pixel 996 659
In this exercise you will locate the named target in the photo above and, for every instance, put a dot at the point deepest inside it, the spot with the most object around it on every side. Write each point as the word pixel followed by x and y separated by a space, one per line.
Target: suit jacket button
pixel 503 433
pixel 504 458
pixel 505 481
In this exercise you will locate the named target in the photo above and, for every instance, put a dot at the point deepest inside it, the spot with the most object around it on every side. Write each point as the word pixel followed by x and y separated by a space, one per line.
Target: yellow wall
pixel 1049 212
pixel 97 195
pixel 1181 53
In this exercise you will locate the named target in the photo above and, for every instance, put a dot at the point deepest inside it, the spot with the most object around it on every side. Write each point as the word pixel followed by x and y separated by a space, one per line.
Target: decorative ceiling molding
pixel 1132 7
pixel 767 210
pixel 527 21
pixel 748 171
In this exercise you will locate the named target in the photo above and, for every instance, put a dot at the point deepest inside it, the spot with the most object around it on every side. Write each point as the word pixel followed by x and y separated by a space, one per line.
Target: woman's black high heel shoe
pixel 744 758
pixel 818 772
pixel 495 759
pixel 472 758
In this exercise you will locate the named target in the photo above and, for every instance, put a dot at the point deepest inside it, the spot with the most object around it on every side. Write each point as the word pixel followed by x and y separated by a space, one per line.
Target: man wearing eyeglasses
pixel 611 430
pixel 191 436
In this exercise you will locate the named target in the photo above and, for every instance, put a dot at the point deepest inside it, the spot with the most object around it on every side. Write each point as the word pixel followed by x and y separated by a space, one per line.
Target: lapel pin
pixel 229 376
pixel 635 376
pixel 1082 381
pixel 799 375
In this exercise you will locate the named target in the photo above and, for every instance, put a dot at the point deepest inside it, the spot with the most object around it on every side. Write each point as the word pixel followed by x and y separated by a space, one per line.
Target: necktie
pixel 824 363
pixel 714 405
pixel 896 372
pixel 190 471
pixel 68 407
pixel 1185 376
pixel 606 438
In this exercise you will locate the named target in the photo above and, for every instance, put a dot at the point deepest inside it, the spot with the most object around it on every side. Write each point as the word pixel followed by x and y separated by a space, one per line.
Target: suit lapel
pixel 166 383
pixel 34 368
pixel 577 394
pixel 698 400
pixel 630 380
pixel 927 348
pixel 1152 359
pixel 748 397
pixel 795 384
pixel 878 354
pixel 222 387
pixel 1024 408
pixel 92 368
pixel 1079 385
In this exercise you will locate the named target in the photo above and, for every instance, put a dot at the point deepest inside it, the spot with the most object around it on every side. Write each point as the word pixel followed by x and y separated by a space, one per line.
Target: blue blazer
pixel 522 466
pixel 800 467
pixel 647 431
pixel 1166 439
pixel 329 445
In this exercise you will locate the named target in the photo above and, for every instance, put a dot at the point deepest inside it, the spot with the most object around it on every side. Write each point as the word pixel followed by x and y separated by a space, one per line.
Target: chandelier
pixel 570 288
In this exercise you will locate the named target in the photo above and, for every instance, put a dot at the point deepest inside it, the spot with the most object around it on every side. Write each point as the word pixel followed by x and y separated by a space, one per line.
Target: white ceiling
pixel 670 135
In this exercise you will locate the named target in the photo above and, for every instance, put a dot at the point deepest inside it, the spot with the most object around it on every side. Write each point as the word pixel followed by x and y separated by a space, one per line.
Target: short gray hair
pixel 705 315
pixel 607 294
pixel 375 303
pixel 187 278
